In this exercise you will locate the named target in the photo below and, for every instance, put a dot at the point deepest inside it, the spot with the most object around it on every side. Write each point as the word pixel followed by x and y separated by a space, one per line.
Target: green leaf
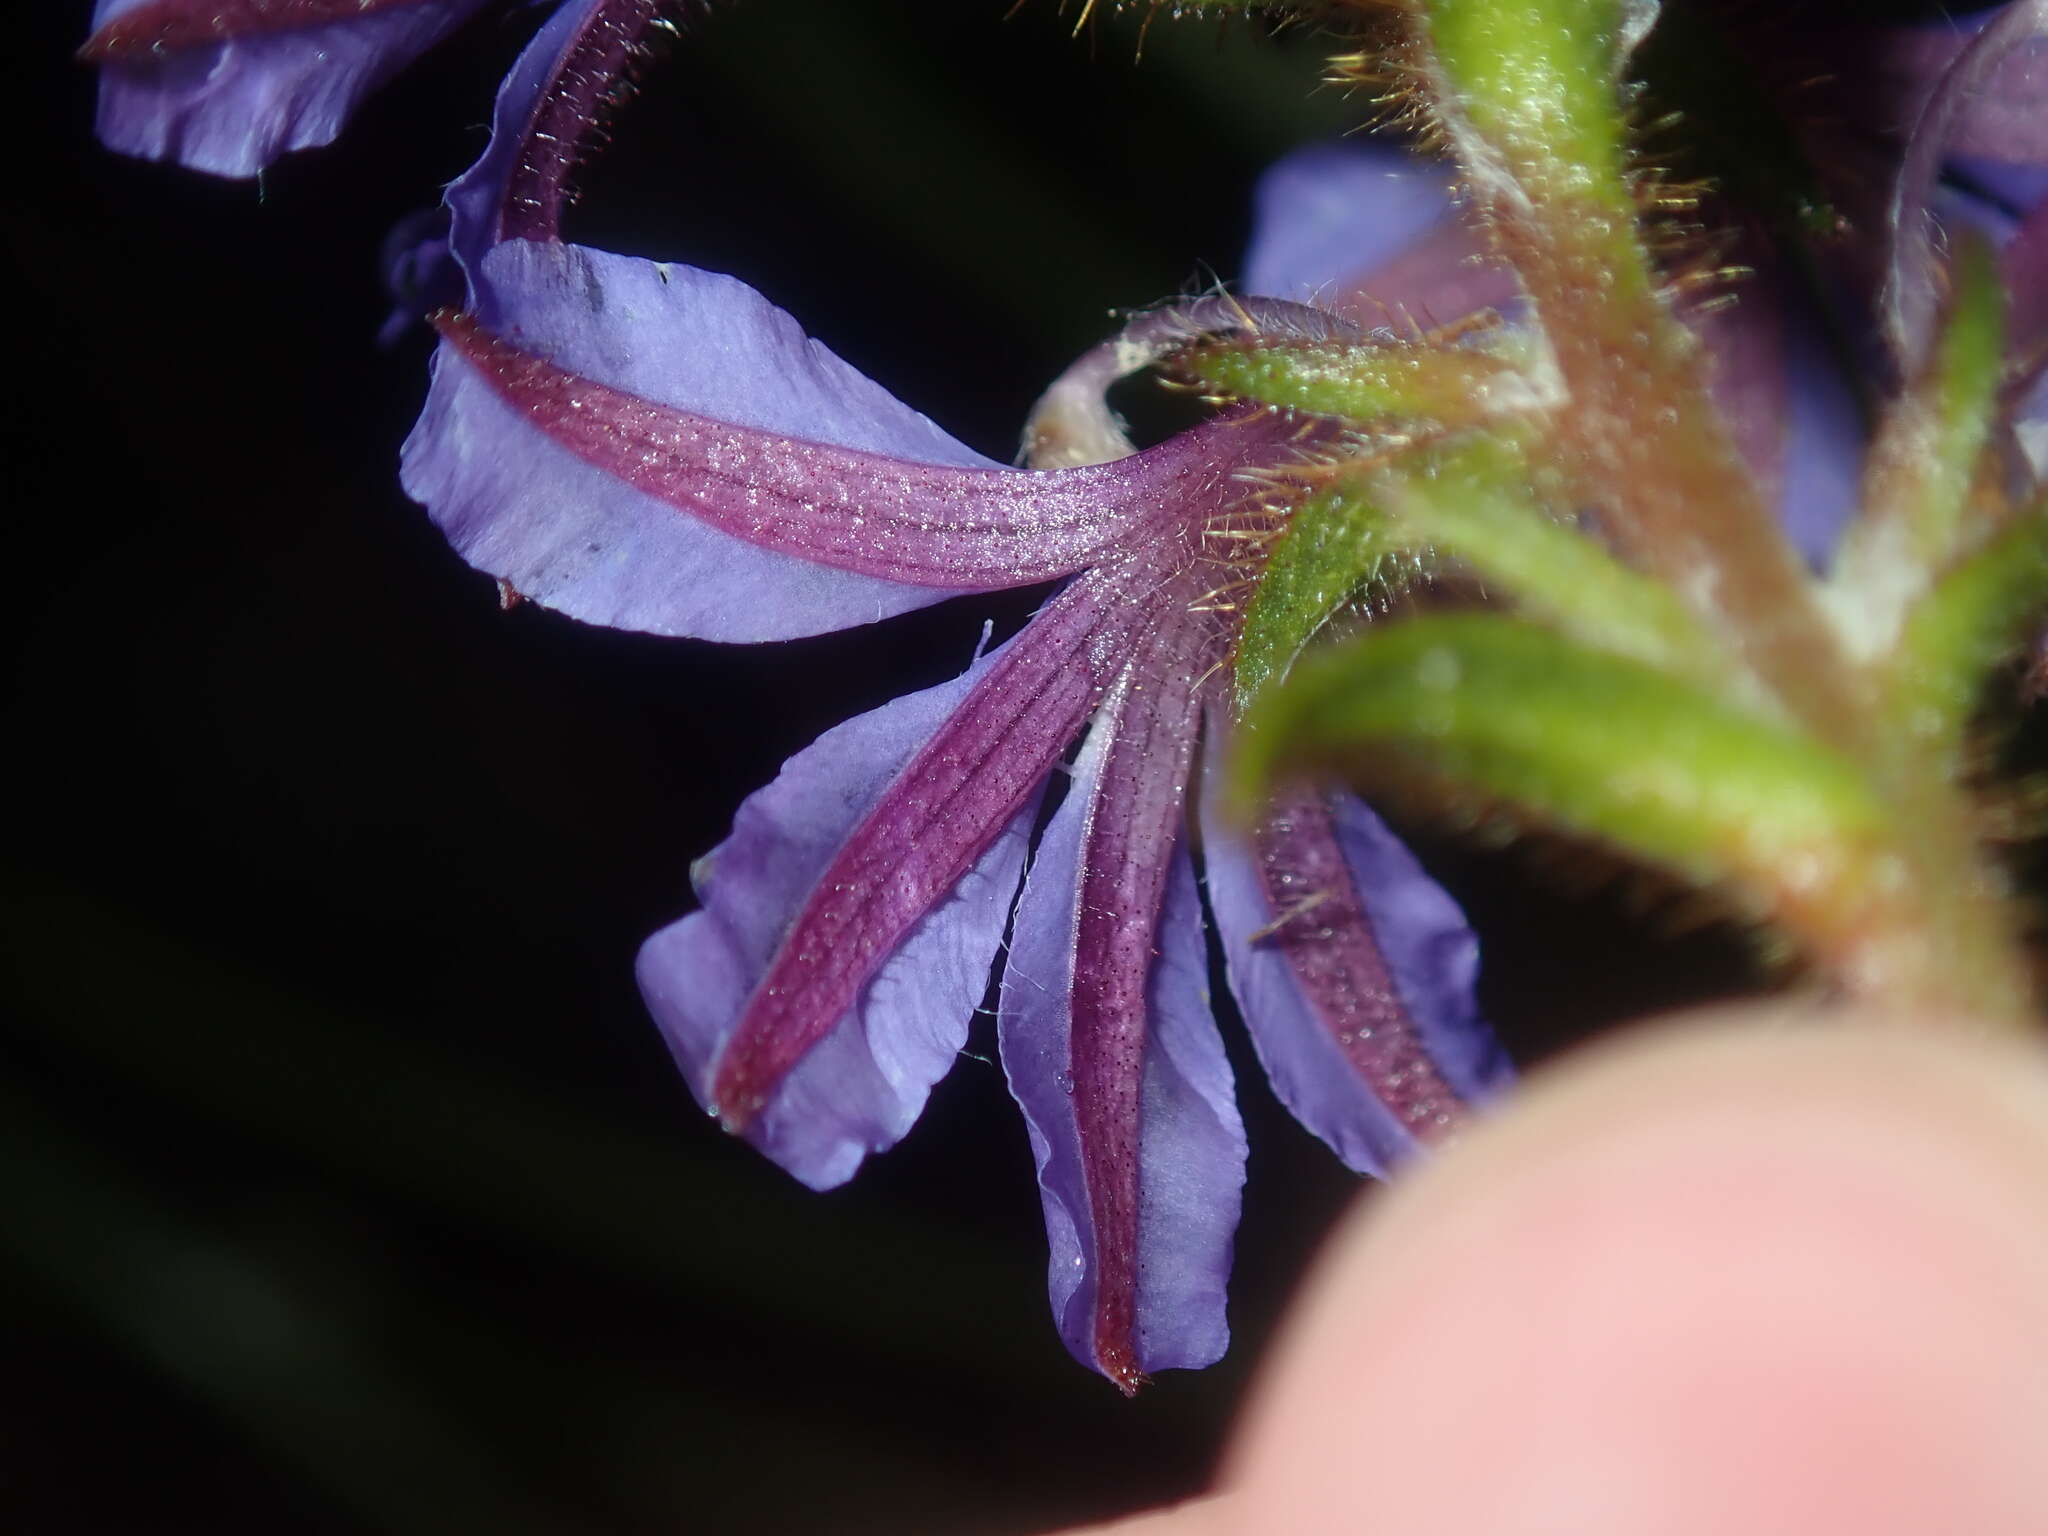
pixel 1330 549
pixel 1473 503
pixel 1975 616
pixel 1595 743
pixel 1402 383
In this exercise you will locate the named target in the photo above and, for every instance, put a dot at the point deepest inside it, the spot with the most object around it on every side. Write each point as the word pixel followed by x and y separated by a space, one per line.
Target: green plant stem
pixel 1528 92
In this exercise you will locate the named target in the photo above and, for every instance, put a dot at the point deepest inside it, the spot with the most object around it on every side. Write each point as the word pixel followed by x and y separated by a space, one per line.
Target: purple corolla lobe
pixel 1355 974
pixel 1980 108
pixel 558 91
pixel 227 86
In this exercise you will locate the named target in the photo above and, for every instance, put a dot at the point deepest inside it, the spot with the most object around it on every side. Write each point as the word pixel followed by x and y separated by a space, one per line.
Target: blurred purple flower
pixel 1919 129
pixel 656 447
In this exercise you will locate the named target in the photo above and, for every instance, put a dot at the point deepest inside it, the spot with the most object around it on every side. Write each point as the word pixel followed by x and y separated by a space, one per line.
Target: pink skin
pixel 1740 1274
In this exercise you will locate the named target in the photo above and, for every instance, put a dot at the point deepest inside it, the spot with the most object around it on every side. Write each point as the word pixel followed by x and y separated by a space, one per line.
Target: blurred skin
pixel 1757 1271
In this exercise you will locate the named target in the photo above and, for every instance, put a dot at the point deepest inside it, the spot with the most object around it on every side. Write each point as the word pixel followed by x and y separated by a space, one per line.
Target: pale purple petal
pixel 1370 232
pixel 2002 113
pixel 1826 439
pixel 650 445
pixel 800 926
pixel 1968 90
pixel 1789 404
pixel 1355 973
pixel 172 88
pixel 1112 1052
pixel 860 1088
pixel 546 106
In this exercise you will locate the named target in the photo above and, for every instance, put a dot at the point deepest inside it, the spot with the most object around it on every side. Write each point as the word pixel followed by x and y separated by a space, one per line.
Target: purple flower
pixel 229 85
pixel 656 447
pixel 1982 120
pixel 1919 130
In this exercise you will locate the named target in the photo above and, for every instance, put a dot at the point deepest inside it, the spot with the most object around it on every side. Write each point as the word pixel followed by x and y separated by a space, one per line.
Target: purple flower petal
pixel 1826 439
pixel 828 899
pixel 2002 113
pixel 861 1087
pixel 669 452
pixel 1355 974
pixel 1372 233
pixel 2004 63
pixel 1790 408
pixel 1110 1046
pixel 554 95
pixel 229 85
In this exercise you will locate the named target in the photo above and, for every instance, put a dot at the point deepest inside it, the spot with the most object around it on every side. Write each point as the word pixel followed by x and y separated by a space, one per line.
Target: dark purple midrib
pixel 799 999
pixel 1126 855
pixel 594 63
pixel 1002 527
pixel 169 25
pixel 1335 959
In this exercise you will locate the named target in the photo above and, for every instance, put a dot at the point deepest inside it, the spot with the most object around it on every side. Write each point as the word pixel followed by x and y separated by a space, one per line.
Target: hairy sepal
pixel 1972 619
pixel 1921 507
pixel 1477 502
pixel 1411 386
pixel 1332 546
pixel 1595 744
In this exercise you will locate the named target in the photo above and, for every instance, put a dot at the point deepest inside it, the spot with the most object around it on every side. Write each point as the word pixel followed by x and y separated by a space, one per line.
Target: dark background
pixel 345 1185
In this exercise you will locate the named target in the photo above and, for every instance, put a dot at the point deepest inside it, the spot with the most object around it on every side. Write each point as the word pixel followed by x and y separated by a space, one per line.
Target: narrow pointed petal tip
pixel 1113 1054
pixel 861 1086
pixel 1356 974
pixel 229 87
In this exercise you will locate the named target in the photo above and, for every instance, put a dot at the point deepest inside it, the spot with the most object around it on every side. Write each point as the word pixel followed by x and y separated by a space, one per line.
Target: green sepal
pixel 1924 466
pixel 1473 503
pixel 1330 548
pixel 1499 710
pixel 1960 399
pixel 1405 384
pixel 1975 616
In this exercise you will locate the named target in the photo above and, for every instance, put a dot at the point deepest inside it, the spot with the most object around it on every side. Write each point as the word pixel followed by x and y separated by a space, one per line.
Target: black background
pixel 345 1184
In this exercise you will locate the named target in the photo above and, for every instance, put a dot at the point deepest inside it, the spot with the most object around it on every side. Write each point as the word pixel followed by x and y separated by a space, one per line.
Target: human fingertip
pixel 1753 1270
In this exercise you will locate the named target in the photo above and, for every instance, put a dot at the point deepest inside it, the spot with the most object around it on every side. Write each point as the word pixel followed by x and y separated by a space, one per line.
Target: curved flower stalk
pixel 651 446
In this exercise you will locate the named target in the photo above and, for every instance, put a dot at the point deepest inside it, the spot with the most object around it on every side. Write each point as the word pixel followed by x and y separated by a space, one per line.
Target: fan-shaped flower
pixel 656 447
